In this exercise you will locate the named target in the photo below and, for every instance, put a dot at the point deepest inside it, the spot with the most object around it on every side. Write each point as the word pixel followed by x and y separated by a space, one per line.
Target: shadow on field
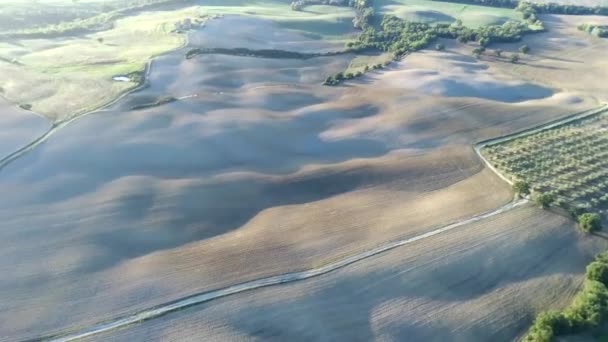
pixel 429 298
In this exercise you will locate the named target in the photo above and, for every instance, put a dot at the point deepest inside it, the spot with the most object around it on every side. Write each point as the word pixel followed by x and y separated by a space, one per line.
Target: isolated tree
pixel 524 49
pixel 521 188
pixel 462 39
pixel 498 52
pixel 589 222
pixel 100 40
pixel 439 47
pixel 544 200
pixel 514 58
pixel 484 41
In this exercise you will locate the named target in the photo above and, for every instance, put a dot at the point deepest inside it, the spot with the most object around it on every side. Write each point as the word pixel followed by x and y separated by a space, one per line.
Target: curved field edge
pixel 531 131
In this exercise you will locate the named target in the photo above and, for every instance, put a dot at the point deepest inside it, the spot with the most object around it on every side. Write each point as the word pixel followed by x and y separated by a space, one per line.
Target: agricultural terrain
pixel 201 171
pixel 566 162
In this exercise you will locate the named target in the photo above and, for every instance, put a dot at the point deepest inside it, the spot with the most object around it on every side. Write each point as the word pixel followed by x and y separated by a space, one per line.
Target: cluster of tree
pixel 551 8
pixel 86 20
pixel 513 58
pixel 588 310
pixel 402 37
pixel 596 30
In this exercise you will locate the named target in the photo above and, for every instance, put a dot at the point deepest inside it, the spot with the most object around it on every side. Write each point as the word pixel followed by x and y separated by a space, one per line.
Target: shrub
pixel 589 222
pixel 514 58
pixel 524 49
pixel 439 47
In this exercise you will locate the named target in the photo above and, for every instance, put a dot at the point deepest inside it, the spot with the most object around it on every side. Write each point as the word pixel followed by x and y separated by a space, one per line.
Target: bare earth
pixel 260 171
pixel 21 127
pixel 460 286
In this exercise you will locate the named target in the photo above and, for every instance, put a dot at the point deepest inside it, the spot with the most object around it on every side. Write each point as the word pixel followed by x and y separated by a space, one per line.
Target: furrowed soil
pixel 258 170
pixel 483 282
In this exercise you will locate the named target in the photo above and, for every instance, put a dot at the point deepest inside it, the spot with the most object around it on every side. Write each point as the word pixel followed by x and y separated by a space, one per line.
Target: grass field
pixel 568 162
pixel 64 77
pixel 436 11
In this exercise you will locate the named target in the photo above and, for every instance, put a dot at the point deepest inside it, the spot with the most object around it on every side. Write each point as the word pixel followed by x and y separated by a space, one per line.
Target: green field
pixel 568 161
pixel 60 72
pixel 436 11
pixel 61 77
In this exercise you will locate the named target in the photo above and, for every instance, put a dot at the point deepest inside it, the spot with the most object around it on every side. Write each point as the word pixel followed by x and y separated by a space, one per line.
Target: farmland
pixel 231 167
pixel 567 162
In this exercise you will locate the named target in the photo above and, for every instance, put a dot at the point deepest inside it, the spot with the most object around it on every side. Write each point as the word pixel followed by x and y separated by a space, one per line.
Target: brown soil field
pixel 261 171
pixel 19 127
pixel 481 282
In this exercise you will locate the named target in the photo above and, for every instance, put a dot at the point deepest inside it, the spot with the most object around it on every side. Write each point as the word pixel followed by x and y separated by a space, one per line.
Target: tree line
pixel 588 310
pixel 549 8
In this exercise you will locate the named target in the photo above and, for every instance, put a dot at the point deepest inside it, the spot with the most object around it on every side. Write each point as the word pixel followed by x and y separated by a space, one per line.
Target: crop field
pixel 226 169
pixel 568 162
pixel 483 282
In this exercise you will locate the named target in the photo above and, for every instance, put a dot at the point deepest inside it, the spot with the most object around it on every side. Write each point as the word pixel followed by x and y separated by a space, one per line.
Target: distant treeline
pixel 100 22
pixel 550 8
pixel 596 30
pixel 265 53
